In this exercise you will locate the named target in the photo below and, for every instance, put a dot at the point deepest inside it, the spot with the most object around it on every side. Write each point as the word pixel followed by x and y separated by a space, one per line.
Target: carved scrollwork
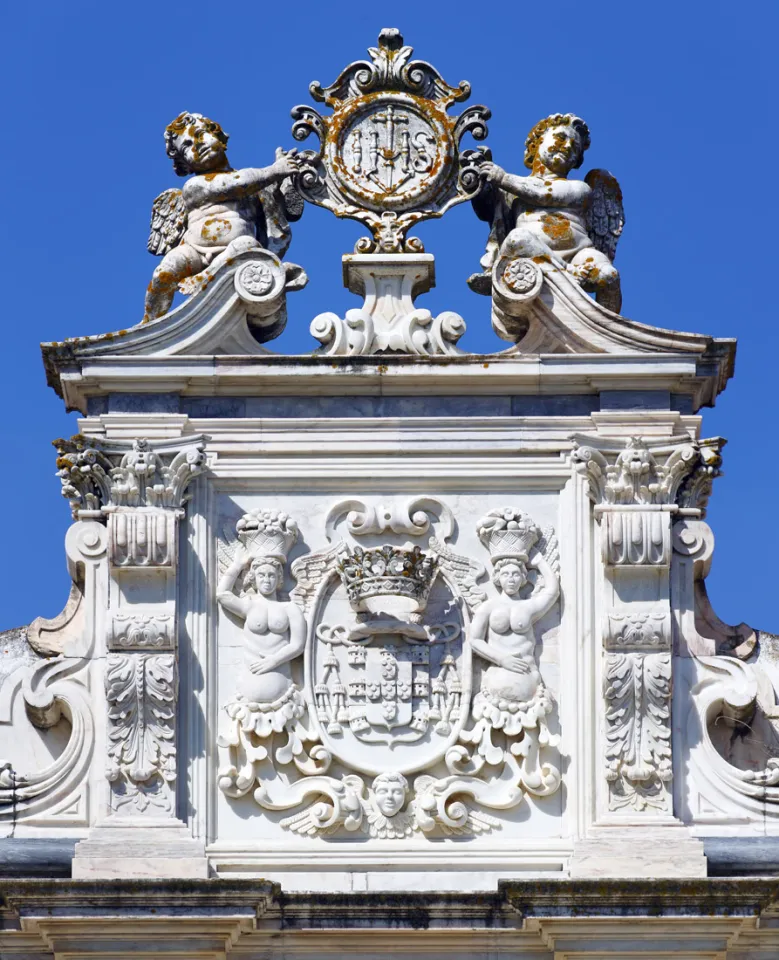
pixel 729 694
pixel 141 632
pixel 54 686
pixel 637 629
pixel 411 518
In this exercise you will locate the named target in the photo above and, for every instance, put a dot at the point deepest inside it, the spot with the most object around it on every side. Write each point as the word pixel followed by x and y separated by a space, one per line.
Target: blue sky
pixel 680 98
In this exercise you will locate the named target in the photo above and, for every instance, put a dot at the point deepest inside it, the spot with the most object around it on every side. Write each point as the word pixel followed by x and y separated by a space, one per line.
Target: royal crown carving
pixel 371 575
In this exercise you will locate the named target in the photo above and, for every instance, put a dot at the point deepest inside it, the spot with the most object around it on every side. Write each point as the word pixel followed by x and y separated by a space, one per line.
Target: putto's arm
pixel 538 192
pixel 234 184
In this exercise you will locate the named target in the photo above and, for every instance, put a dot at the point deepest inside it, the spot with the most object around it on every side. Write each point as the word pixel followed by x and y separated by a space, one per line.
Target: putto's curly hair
pixel 250 577
pixel 178 126
pixel 555 120
pixel 504 562
pixel 391 777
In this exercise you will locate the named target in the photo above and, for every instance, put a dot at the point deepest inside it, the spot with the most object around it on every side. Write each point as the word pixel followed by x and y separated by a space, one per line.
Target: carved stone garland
pixel 386 675
pixel 637 491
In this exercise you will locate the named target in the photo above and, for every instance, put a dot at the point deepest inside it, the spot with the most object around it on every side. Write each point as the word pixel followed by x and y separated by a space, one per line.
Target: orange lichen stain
pixel 215 228
pixel 557 227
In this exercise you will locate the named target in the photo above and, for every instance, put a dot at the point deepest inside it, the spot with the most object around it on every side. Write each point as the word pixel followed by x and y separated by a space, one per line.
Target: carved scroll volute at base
pixel 516 283
pixel 57 686
pixel 700 630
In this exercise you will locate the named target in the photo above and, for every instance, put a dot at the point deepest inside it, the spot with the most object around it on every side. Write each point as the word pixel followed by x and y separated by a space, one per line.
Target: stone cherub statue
pixel 573 224
pixel 219 213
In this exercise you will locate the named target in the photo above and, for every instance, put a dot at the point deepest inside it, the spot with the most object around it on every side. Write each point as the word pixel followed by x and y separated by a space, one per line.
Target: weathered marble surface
pixel 390 619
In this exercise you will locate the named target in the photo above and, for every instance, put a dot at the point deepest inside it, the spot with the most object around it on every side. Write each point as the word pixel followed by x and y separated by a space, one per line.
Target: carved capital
pixel 676 472
pixel 98 476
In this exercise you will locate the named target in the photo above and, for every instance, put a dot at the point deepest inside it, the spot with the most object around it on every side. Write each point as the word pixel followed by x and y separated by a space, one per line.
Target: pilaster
pixel 637 493
pixel 138 489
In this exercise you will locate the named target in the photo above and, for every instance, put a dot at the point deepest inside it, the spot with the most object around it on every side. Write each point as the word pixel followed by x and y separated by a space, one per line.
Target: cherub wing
pixel 281 205
pixel 307 825
pixel 225 550
pixel 309 572
pixel 475 823
pixel 604 212
pixel 168 222
pixel 464 571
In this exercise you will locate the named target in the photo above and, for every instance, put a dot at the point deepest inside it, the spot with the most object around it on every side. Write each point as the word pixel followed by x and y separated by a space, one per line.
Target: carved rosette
pixel 390 679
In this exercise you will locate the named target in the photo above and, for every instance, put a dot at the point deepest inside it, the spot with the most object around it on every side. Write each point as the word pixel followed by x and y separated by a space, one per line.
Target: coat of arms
pixel 381 728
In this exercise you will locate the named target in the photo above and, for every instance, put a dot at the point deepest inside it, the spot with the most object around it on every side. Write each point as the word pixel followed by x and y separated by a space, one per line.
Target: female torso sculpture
pixel 502 632
pixel 274 631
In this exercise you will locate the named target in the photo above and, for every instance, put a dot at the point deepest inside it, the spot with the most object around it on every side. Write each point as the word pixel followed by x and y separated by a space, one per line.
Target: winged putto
pixel 573 224
pixel 219 213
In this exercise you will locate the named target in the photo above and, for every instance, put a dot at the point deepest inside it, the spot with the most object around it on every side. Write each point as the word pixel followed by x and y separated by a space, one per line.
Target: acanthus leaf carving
pixel 141 694
pixel 138 631
pixel 634 628
pixel 638 729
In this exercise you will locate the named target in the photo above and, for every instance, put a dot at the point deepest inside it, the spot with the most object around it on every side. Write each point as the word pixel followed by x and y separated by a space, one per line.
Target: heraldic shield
pixel 388 675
